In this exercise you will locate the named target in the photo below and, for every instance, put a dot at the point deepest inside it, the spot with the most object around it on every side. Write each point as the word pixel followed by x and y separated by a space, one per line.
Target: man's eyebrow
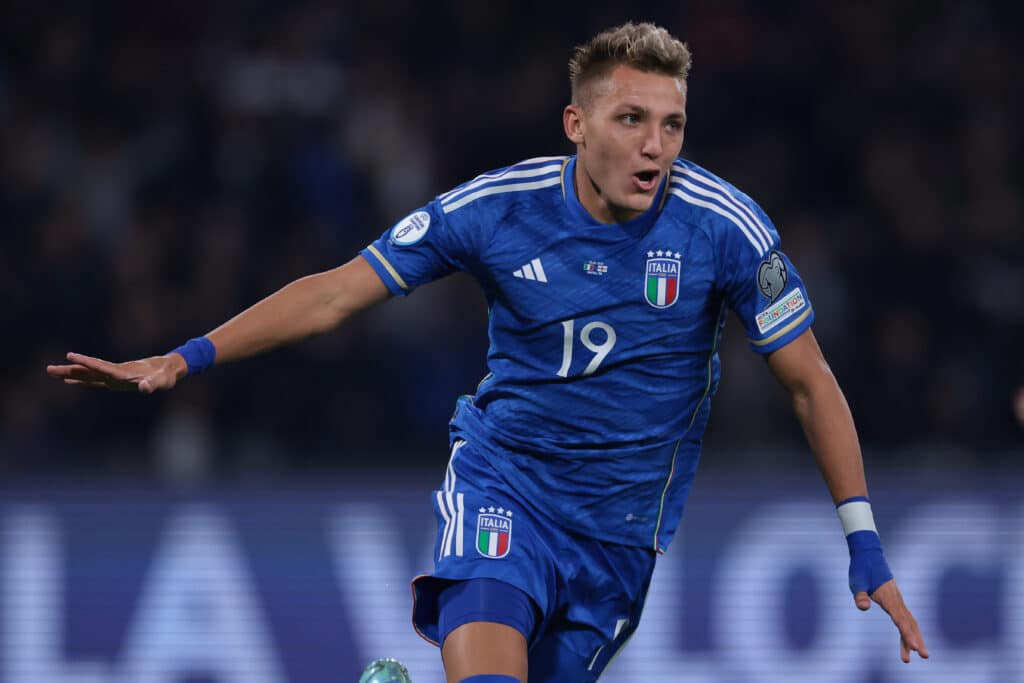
pixel 633 107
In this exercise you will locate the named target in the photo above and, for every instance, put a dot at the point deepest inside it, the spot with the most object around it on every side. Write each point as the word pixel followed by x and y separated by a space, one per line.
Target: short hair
pixel 643 46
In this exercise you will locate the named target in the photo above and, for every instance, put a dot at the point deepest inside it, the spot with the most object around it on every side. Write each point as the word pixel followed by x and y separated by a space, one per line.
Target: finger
pixel 85 374
pixel 862 601
pixel 97 364
pixel 86 383
pixel 912 641
pixel 91 378
pixel 88 361
pixel 71 372
pixel 62 370
pixel 115 376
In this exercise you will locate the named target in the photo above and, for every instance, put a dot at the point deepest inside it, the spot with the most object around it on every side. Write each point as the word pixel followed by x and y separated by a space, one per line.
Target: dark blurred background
pixel 164 165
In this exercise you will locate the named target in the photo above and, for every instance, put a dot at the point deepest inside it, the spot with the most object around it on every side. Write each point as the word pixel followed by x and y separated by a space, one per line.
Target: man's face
pixel 627 133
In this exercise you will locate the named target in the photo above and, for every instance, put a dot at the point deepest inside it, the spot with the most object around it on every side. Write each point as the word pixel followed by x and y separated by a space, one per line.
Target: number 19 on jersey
pixel 600 350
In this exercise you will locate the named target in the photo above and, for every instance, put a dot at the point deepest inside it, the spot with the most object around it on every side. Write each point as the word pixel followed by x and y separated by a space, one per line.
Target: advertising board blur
pixel 308 582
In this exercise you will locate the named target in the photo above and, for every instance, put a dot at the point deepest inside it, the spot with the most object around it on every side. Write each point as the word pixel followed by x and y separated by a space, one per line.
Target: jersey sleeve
pixel 761 284
pixel 422 247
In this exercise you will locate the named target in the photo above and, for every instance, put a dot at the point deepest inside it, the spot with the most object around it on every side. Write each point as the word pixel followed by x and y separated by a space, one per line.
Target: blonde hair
pixel 644 46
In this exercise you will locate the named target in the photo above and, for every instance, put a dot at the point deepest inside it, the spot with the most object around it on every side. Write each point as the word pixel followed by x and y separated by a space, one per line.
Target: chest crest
pixel 661 277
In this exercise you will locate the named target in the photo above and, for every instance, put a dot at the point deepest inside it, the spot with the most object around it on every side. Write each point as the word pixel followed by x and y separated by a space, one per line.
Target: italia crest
pixel 661 278
pixel 494 532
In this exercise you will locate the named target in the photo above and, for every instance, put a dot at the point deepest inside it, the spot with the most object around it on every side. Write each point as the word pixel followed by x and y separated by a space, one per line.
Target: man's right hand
pixel 310 305
pixel 146 375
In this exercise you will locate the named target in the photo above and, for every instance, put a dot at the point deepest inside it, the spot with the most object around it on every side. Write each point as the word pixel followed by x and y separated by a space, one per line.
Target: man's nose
pixel 652 147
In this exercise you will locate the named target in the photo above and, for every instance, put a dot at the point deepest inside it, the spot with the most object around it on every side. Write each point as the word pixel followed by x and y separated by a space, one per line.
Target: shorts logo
pixel 410 229
pixel 782 310
pixel 661 281
pixel 494 532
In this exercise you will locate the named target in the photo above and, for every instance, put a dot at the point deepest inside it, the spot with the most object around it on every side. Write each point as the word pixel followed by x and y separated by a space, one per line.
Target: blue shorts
pixel 588 593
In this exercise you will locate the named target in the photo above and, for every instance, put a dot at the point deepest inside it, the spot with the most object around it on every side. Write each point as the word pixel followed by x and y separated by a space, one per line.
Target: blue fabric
pixel 490 678
pixel 491 600
pixel 588 594
pixel 600 394
pixel 868 568
pixel 853 499
pixel 199 354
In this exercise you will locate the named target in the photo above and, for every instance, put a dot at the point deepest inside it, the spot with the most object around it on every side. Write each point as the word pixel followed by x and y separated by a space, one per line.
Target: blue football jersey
pixel 603 337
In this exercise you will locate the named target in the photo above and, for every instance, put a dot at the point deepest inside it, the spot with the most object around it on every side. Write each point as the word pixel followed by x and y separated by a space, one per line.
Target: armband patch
pixel 772 276
pixel 781 311
pixel 410 229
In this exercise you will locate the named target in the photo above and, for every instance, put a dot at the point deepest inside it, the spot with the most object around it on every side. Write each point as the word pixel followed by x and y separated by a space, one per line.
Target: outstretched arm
pixel 308 306
pixel 823 413
pixel 825 416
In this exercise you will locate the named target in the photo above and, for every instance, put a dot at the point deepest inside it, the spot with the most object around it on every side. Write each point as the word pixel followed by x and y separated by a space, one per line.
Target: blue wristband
pixel 868 568
pixel 199 354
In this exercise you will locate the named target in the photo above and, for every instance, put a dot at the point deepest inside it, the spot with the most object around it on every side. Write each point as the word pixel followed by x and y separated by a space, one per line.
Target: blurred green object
pixel 385 670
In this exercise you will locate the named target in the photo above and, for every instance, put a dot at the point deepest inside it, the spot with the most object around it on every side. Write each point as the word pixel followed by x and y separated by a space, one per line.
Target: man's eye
pixel 631 118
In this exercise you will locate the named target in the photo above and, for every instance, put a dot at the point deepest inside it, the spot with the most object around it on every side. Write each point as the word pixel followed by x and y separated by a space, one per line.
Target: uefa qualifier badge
pixel 387 670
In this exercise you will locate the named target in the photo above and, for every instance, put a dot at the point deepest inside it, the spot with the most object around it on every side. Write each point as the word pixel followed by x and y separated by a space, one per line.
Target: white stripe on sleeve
pixel 500 189
pixel 729 199
pixel 762 236
pixel 508 174
pixel 721 212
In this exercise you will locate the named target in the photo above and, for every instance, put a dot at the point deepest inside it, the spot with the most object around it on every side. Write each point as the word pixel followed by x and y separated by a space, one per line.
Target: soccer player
pixel 608 275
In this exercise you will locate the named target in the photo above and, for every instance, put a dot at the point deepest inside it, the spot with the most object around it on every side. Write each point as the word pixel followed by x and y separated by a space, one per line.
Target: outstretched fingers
pixel 94 372
pixel 145 375
pixel 98 365
pixel 77 373
pixel 890 599
pixel 911 640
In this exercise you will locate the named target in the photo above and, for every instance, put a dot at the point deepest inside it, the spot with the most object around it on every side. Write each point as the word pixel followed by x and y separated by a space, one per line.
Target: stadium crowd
pixel 161 169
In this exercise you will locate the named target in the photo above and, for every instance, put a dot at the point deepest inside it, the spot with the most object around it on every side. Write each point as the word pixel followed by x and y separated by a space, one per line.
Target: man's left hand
pixel 889 598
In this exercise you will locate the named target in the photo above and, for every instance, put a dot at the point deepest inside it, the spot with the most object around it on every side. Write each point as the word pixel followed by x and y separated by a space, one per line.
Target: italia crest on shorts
pixel 494 532
pixel 661 281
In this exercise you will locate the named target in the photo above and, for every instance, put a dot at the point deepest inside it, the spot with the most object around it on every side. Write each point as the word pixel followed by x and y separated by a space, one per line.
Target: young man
pixel 608 275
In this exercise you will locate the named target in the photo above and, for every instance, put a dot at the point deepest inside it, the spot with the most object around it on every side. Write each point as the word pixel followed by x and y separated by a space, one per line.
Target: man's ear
pixel 572 120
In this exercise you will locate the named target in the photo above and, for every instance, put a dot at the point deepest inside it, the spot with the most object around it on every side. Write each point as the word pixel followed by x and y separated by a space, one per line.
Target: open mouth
pixel 646 181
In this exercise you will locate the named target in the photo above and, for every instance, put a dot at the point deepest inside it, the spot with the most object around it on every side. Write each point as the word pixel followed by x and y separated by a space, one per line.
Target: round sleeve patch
pixel 771 277
pixel 410 229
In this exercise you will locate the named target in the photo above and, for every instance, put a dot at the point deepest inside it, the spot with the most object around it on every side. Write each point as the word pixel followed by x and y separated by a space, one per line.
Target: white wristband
pixel 855 515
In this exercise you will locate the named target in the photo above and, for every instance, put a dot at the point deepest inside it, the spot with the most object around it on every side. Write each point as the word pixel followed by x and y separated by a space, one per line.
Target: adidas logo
pixel 532 271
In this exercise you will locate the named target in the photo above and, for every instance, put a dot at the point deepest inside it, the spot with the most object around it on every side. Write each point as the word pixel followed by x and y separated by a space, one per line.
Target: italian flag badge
pixel 661 283
pixel 494 532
